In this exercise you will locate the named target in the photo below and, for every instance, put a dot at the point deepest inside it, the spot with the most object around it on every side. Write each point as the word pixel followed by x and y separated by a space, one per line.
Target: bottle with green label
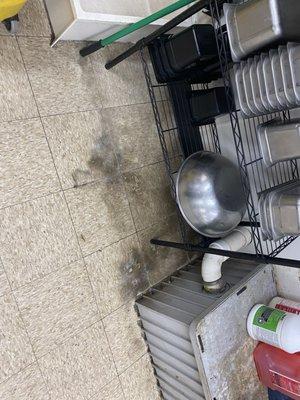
pixel 275 327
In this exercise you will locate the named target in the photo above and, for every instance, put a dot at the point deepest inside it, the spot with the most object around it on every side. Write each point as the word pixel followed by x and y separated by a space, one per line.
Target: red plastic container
pixel 278 370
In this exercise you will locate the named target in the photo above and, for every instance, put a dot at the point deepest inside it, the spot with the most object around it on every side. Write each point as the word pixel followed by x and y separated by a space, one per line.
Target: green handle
pixel 145 21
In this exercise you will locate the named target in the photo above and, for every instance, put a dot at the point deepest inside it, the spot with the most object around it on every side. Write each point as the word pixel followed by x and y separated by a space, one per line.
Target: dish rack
pixel 256 177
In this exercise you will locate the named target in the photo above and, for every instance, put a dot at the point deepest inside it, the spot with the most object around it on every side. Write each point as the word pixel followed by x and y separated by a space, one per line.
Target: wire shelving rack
pixel 256 177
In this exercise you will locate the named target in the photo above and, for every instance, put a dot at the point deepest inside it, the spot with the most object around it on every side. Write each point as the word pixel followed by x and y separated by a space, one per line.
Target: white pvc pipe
pixel 212 264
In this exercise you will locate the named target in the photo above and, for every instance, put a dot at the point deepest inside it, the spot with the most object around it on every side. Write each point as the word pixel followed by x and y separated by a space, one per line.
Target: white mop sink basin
pixel 96 19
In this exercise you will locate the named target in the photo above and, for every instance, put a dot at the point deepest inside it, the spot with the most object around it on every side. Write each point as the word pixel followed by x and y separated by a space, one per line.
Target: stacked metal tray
pixel 280 211
pixel 269 82
pixel 279 140
pixel 255 25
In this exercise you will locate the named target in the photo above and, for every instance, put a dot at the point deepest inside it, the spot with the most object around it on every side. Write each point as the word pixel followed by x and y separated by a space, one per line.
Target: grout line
pixel 28 337
pixel 143 166
pixel 109 346
pixel 95 395
pixel 126 398
pixel 54 271
pixel 32 199
pixel 18 372
pixel 99 109
pixel 52 35
pixel 67 339
pixel 137 360
pixel 109 245
pixel 20 35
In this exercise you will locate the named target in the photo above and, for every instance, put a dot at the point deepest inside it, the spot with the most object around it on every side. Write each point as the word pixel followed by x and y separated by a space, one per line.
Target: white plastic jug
pixel 275 327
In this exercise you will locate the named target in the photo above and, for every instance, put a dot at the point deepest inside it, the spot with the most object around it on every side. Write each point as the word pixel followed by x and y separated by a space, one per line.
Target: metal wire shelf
pixel 256 176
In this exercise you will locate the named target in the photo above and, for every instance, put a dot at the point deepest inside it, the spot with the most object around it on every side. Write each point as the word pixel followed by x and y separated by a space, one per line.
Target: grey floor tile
pixel 81 148
pixel 61 79
pixel 162 261
pixel 4 284
pixel 16 100
pixel 37 238
pixel 26 163
pixel 26 385
pixel 101 214
pixel 117 274
pixel 139 382
pixel 57 306
pixel 134 133
pixel 149 194
pixel 33 20
pixel 112 391
pixel 80 367
pixel 15 349
pixel 125 83
pixel 124 336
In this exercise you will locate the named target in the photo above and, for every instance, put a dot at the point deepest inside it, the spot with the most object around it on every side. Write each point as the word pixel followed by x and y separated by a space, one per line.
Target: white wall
pixel 288 279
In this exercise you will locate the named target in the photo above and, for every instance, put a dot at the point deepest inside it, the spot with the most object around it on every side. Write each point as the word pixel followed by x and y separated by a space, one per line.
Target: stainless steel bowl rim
pixel 192 225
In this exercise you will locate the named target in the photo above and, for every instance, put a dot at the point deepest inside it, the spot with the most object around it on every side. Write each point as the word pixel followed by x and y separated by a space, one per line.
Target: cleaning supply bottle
pixel 275 327
pixel 278 370
pixel 285 305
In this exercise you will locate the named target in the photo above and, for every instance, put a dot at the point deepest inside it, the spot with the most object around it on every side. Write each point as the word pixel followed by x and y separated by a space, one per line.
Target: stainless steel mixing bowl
pixel 210 194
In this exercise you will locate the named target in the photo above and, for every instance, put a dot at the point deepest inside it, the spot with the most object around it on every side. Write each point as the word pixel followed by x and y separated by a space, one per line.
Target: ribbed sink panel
pixel 167 311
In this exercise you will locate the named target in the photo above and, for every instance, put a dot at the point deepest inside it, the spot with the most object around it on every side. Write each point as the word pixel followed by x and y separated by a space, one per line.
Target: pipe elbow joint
pixel 212 264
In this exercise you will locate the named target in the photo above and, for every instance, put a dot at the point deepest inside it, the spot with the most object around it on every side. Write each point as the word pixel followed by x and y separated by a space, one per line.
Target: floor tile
pixel 4 285
pixel 15 350
pixel 100 213
pixel 139 382
pixel 61 79
pixel 149 194
pixel 33 20
pixel 125 83
pixel 133 127
pixel 37 238
pixel 57 306
pixel 80 367
pixel 26 385
pixel 112 391
pixel 117 274
pixel 16 101
pixel 81 148
pixel 162 261
pixel 124 336
pixel 28 172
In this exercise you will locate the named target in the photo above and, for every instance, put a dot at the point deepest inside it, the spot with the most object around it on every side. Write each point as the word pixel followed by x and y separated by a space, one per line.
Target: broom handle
pixel 134 27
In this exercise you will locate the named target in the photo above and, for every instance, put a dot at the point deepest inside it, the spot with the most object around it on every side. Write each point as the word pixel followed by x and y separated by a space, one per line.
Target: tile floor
pixel 83 190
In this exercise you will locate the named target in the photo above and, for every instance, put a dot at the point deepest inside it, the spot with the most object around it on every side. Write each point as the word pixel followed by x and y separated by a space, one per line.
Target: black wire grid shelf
pixel 256 177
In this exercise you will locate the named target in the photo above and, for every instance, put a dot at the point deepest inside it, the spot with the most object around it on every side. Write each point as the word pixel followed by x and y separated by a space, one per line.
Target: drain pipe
pixel 212 264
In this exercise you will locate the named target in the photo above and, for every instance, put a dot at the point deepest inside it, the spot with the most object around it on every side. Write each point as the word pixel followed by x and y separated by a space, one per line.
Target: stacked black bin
pixel 184 59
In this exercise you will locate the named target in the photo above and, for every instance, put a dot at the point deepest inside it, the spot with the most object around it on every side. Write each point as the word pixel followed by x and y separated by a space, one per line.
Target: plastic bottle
pixel 275 327
pixel 278 370
pixel 285 305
